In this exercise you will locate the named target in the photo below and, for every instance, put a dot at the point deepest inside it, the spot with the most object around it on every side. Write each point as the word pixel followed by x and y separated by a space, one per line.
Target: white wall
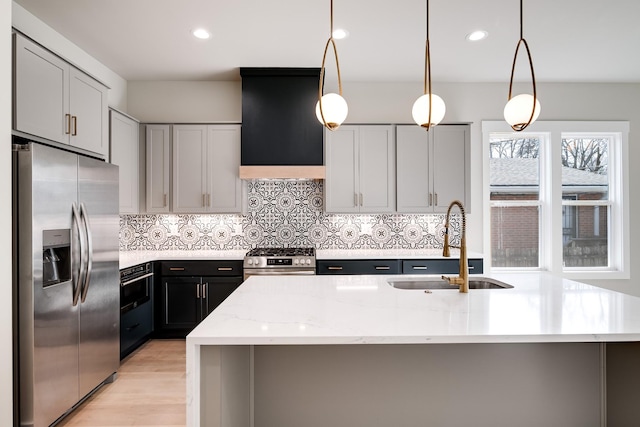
pixel 391 103
pixel 6 367
pixel 185 102
pixel 33 27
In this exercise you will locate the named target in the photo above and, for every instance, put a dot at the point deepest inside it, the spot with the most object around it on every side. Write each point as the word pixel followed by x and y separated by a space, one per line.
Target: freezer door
pixel 100 293
pixel 45 181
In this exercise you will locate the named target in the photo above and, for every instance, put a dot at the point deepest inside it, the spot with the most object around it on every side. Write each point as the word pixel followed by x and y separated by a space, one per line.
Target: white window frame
pixel 550 234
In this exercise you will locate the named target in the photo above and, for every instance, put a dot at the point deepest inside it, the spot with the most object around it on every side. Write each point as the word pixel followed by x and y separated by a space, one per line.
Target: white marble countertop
pixel 366 310
pixel 330 254
pixel 131 258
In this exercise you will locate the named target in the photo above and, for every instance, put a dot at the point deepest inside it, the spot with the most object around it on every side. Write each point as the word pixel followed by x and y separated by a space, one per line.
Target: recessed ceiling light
pixel 201 33
pixel 477 35
pixel 340 34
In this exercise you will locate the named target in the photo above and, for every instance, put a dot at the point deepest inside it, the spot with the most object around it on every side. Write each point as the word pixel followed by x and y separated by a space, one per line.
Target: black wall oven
pixel 135 286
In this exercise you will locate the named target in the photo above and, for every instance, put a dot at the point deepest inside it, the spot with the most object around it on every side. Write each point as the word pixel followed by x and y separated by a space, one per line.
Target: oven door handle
pixel 128 282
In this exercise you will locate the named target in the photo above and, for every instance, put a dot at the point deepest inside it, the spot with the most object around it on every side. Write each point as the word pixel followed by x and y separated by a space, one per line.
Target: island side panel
pixel 225 387
pixel 623 384
pixel 556 384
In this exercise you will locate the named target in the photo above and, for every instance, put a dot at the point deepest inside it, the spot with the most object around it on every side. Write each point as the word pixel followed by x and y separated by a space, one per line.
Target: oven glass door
pixel 135 292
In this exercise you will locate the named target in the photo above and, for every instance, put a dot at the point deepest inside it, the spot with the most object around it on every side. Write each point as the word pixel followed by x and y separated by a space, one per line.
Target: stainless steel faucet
pixel 463 277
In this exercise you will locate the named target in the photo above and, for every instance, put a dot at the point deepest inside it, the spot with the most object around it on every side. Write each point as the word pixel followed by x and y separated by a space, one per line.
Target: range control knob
pixel 308 261
pixel 296 261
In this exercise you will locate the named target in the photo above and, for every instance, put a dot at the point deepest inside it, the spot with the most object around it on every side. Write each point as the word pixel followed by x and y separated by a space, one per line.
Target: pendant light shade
pixel 335 110
pixel 517 112
pixel 523 109
pixel 421 110
pixel 429 109
pixel 331 109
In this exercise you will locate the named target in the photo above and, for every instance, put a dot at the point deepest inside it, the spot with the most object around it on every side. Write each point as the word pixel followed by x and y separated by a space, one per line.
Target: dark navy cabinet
pixel 397 266
pixel 189 290
pixel 376 266
pixel 440 266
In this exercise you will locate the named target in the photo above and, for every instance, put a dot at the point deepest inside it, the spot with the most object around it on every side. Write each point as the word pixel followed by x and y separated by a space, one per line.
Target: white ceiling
pixel 570 40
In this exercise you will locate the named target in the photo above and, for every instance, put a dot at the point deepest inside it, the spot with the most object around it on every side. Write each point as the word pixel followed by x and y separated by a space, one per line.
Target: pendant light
pixel 523 109
pixel 429 109
pixel 331 109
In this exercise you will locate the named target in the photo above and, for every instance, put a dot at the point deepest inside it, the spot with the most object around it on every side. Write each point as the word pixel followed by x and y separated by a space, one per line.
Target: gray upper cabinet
pixel 361 171
pixel 56 101
pixel 432 167
pixel 206 161
pixel 124 138
pixel 158 157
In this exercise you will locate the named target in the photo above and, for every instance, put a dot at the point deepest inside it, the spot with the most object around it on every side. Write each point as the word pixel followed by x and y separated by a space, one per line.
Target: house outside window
pixel 556 198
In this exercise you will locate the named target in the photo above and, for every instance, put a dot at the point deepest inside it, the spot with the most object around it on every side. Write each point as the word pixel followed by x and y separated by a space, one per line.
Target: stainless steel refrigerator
pixel 66 281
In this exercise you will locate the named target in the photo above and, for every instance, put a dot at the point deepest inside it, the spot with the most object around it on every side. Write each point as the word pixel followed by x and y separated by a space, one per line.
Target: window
pixel 556 198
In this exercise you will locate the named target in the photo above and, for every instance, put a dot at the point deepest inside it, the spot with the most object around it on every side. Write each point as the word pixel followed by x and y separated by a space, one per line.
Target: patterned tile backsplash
pixel 283 214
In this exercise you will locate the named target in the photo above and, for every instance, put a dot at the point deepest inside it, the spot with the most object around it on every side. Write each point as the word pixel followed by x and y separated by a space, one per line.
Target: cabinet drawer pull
pixel 225 268
pixel 436 199
pixel 361 200
pixel 75 125
pixel 176 268
pixel 470 267
pixel 198 291
pixel 132 327
pixel 430 199
pixel 419 267
pixel 331 267
pixel 204 290
pixel 68 127
pixel 383 267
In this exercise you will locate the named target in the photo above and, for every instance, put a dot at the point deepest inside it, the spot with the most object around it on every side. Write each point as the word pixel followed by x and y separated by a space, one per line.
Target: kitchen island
pixel 352 350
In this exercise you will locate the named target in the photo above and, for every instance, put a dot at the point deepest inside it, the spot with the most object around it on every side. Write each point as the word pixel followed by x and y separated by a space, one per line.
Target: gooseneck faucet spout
pixel 463 277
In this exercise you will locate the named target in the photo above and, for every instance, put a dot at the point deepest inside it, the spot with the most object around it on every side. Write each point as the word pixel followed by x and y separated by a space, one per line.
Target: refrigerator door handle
pixel 77 283
pixel 89 265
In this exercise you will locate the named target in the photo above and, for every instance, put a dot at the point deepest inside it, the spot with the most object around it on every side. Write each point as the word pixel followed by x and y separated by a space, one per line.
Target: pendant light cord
pixel 521 126
pixel 427 67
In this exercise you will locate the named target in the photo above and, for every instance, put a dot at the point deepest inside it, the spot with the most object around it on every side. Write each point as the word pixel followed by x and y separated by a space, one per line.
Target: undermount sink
pixel 438 283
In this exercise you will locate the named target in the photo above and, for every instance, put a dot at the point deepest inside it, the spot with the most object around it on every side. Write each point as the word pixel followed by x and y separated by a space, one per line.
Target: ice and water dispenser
pixel 56 257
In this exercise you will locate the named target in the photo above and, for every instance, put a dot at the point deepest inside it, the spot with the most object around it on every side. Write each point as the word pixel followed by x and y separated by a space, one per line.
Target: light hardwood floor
pixel 150 391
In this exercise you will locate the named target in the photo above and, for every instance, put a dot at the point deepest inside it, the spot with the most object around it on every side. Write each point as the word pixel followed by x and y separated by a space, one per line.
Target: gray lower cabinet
pixel 361 174
pixel 397 266
pixel 189 290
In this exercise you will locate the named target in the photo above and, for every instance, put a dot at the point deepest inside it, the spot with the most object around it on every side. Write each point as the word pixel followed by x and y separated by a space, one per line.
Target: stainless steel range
pixel 279 261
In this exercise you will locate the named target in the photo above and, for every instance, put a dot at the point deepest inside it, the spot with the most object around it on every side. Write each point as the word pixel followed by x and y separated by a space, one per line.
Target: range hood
pixel 281 137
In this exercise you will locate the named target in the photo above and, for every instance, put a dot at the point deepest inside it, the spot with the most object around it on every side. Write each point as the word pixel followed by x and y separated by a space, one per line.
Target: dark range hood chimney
pixel 281 137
